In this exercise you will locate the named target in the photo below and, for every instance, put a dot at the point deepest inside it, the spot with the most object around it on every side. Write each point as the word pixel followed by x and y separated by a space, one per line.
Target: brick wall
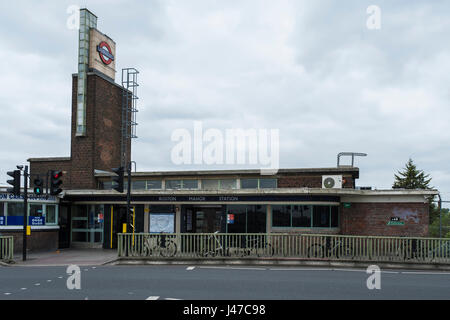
pixel 42 167
pixel 297 181
pixel 100 147
pixel 372 219
pixel 42 240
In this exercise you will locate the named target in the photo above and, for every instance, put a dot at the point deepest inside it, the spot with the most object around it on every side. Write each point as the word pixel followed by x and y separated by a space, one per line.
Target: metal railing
pixel 276 245
pixel 6 248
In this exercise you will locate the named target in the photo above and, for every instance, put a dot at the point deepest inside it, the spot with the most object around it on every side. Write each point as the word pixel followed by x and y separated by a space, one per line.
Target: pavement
pixel 98 257
pixel 64 257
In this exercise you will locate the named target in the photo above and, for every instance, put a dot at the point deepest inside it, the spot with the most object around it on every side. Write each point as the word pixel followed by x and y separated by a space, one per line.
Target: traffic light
pixel 118 180
pixel 55 182
pixel 37 186
pixel 15 182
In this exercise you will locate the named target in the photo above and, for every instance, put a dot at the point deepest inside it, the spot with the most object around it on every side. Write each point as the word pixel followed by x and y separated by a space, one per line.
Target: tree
pixel 411 178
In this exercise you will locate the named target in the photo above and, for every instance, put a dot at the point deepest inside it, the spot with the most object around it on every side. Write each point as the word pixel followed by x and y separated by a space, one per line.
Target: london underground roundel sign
pixel 105 53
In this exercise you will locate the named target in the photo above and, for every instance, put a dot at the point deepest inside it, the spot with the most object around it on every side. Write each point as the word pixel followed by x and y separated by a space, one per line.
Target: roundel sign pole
pixel 105 53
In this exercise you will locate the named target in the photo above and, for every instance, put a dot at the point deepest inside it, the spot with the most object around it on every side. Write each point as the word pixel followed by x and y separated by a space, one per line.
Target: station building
pixel 89 213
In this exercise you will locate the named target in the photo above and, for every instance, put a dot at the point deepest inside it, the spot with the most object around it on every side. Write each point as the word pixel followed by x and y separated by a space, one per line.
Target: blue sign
pixel 18 221
pixel 36 221
pixel 15 220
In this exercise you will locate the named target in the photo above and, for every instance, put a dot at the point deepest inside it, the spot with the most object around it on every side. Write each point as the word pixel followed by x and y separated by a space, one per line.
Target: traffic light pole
pixel 128 194
pixel 25 213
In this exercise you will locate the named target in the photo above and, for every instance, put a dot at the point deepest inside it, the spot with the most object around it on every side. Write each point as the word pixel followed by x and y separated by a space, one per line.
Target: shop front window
pixel 246 218
pixel 305 216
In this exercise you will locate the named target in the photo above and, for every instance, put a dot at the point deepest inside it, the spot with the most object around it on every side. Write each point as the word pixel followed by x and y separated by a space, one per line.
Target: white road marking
pixel 37 284
pixel 190 268
pixel 233 268
pixel 49 280
pixel 171 299
pixel 422 272
pixel 299 269
pixel 152 298
pixel 60 277
pixel 23 288
pixel 7 293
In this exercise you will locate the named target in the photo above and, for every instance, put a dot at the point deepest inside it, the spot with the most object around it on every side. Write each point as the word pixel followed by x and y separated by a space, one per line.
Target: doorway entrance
pixel 204 219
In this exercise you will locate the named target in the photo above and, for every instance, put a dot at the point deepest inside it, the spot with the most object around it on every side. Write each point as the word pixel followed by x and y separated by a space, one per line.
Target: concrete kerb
pixel 281 262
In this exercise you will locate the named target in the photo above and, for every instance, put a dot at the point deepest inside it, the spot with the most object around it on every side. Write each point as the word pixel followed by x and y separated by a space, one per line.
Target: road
pixel 218 283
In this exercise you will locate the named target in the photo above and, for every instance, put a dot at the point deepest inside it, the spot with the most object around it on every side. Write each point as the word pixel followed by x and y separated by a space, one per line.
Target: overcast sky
pixel 312 69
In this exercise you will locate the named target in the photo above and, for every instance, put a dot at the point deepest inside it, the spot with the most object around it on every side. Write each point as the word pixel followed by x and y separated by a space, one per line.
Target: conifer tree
pixel 411 178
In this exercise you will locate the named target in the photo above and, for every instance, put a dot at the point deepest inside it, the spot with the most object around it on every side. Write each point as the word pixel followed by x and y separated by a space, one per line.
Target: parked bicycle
pixel 331 249
pixel 213 247
pixel 257 246
pixel 161 245
pixel 409 249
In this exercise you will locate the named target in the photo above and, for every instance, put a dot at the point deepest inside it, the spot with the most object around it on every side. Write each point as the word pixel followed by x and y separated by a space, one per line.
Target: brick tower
pixel 97 126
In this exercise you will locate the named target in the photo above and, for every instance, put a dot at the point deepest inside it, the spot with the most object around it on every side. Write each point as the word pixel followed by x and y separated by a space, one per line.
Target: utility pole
pixel 25 212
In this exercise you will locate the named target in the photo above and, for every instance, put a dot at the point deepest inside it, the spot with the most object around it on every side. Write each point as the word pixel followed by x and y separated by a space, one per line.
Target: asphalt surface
pixel 217 283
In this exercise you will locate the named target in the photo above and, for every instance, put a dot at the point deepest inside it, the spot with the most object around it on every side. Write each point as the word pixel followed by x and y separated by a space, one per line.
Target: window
pixel 2 209
pixel 107 185
pixel 182 184
pixel 305 216
pixel 321 217
pixel 173 184
pixel 247 218
pixel 216 184
pixel 35 210
pixel 210 184
pixel 228 184
pixel 267 183
pixel 50 215
pixel 254 183
pixel 154 184
pixel 15 209
pixel 301 216
pixel 190 184
pixel 138 185
pixel 334 216
pixel 249 183
pixel 281 215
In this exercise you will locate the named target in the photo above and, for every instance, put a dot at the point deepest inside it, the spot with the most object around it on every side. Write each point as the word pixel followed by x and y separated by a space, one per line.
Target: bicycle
pixel 409 249
pixel 256 246
pixel 159 245
pixel 337 249
pixel 213 247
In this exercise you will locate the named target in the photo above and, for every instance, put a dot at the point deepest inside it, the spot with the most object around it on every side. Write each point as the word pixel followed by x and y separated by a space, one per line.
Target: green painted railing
pixel 6 248
pixel 276 245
